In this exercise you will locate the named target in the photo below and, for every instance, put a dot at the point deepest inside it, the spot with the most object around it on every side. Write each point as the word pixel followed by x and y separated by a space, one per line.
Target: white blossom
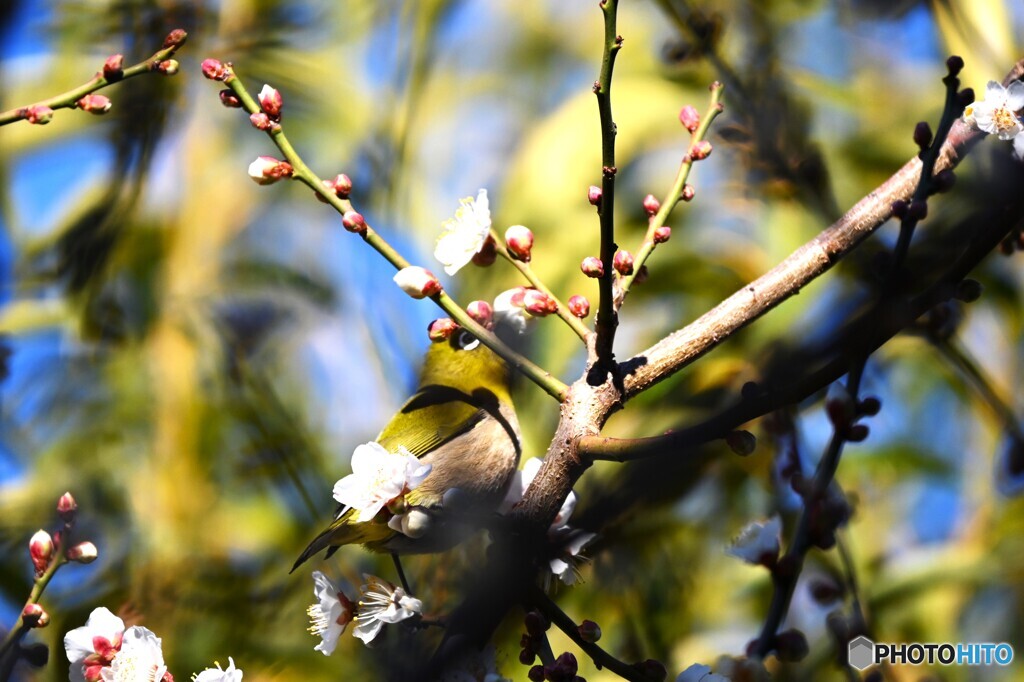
pixel 463 236
pixel 140 659
pixel 510 308
pixel 230 674
pixel 700 673
pixel 330 615
pixel 94 645
pixel 758 542
pixel 382 603
pixel 996 113
pixel 377 478
pixel 570 542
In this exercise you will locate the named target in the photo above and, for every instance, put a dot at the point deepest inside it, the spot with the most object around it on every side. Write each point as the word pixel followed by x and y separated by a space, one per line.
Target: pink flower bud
pixel 266 170
pixel 215 70
pixel 482 312
pixel 113 68
pixel 519 240
pixel 229 99
pixel 700 150
pixel 176 38
pixel 39 114
pixel 441 329
pixel 40 548
pixel 66 507
pixel 271 102
pixel 594 195
pixel 579 306
pixel 260 121
pixel 592 267
pixel 342 185
pixel 83 553
pixel 688 193
pixel 651 204
pixel 539 304
pixel 589 631
pixel 417 282
pixel 354 222
pixel 94 104
pixel 168 67
pixel 689 117
pixel 623 262
pixel 32 616
pixel 662 234
pixel 487 254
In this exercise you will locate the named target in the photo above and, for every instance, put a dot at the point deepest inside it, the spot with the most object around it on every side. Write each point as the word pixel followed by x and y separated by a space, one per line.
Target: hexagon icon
pixel 861 653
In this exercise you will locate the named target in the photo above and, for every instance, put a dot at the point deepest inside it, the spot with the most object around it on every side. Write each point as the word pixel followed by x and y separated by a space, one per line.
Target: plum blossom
pixel 463 236
pixel 382 603
pixel 996 113
pixel 378 477
pixel 229 674
pixel 700 673
pixel 330 615
pixel 104 650
pixel 140 659
pixel 758 543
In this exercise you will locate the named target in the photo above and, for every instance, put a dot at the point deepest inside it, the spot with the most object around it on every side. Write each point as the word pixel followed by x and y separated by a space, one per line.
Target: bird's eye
pixel 466 341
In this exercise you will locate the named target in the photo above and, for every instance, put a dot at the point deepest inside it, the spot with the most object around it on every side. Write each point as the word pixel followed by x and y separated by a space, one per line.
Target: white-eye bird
pixel 462 422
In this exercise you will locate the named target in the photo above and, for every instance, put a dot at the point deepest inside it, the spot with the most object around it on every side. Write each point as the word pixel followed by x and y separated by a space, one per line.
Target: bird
pixel 462 422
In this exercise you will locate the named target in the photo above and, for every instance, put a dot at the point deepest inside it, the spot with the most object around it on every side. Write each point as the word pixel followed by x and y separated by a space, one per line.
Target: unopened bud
pixel 839 406
pixel 536 674
pixel 342 185
pixel 589 631
pixel 266 170
pixel 923 135
pixel 579 306
pixel 965 97
pixel 487 254
pixel 858 433
pixel 741 442
pixel 536 624
pixel 539 304
pixel 700 150
pixel 652 669
pixel 564 667
pixel 594 195
pixel 791 646
pixel 417 282
pixel 83 553
pixel 215 70
pixel 623 262
pixel 176 38
pixel 39 114
pixel 651 204
pixel 32 614
pixel 689 117
pixel 592 267
pixel 944 180
pixel 955 64
pixel 441 329
pixel 870 406
pixel 94 104
pixel 519 240
pixel 969 290
pixel 899 209
pixel 66 507
pixel 662 234
pixel 527 656
pixel 918 209
pixel 260 121
pixel 354 222
pixel 688 193
pixel 168 67
pixel 40 548
pixel 229 99
pixel 271 102
pixel 113 68
pixel 482 313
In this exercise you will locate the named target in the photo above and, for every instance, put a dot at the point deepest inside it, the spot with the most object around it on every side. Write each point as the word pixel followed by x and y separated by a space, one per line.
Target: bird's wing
pixel 432 417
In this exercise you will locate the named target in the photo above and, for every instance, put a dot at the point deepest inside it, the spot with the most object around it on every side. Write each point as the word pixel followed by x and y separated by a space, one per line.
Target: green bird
pixel 461 421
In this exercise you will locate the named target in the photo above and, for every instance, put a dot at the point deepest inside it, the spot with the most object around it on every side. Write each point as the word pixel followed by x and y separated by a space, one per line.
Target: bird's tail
pixel 344 531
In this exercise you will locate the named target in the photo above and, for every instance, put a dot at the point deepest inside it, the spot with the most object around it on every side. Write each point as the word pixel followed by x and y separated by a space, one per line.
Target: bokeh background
pixel 195 357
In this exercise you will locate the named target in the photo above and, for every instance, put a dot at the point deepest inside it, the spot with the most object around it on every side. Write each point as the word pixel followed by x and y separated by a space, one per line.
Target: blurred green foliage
pixel 195 357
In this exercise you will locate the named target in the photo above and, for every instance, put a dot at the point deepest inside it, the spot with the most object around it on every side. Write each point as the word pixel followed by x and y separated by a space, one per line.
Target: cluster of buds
pixel 915 210
pixel 266 170
pixel 340 186
pixel 843 411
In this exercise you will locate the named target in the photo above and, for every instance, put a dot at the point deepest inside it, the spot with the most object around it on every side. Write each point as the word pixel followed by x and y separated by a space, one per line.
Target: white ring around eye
pixel 471 345
pixel 467 341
